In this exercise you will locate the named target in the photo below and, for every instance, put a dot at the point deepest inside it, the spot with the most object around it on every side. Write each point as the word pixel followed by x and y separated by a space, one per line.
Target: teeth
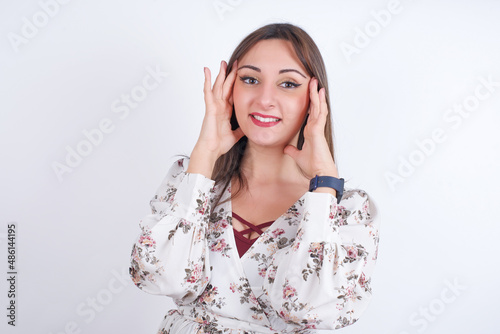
pixel 265 119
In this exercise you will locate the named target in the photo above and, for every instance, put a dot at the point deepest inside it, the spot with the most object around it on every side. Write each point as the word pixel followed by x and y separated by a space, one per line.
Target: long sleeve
pixel 322 281
pixel 170 256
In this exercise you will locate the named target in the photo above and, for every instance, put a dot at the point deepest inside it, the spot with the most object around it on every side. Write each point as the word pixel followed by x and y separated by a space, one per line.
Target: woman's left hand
pixel 315 157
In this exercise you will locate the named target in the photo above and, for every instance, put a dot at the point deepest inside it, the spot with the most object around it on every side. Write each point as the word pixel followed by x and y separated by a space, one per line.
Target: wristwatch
pixel 330 182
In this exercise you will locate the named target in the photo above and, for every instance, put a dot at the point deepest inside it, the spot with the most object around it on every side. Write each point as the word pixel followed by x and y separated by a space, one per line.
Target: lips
pixel 264 120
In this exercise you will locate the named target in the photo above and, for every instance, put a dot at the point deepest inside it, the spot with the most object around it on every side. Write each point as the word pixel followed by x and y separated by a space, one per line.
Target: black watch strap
pixel 330 182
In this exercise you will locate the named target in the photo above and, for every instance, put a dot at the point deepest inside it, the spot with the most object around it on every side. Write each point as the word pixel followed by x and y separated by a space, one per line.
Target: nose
pixel 267 96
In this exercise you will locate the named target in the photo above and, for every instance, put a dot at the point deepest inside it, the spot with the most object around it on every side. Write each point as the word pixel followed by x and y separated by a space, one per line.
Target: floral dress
pixel 309 272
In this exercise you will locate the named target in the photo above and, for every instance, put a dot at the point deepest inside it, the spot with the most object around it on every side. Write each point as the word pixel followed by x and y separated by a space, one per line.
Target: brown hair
pixel 228 165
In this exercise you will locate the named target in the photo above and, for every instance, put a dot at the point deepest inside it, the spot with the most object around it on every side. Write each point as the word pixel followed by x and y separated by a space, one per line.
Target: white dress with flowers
pixel 309 272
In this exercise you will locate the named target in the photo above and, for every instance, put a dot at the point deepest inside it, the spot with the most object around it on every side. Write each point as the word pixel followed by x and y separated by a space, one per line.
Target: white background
pixel 75 233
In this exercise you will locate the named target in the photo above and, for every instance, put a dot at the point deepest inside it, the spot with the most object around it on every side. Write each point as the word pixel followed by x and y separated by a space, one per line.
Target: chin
pixel 270 141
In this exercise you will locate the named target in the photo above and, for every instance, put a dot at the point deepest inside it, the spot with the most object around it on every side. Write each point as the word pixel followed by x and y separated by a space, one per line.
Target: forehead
pixel 272 54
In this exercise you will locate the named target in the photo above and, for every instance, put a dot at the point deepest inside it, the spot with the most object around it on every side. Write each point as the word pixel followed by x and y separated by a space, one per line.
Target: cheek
pixel 300 105
pixel 239 103
pixel 305 102
pixel 236 90
pixel 238 98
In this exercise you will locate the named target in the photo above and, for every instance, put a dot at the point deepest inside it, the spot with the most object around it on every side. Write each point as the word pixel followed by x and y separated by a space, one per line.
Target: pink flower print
pixel 195 274
pixel 184 223
pixel 208 295
pixel 315 247
pixel 312 321
pixel 338 212
pixel 137 279
pixel 271 272
pixel 333 212
pixel 220 225
pixel 200 320
pixel 265 237
pixel 199 235
pixel 262 272
pixel 218 246
pixel 285 314
pixel 147 241
pixel 352 252
pixel 233 287
pixel 253 299
pixel 203 207
pixel 365 207
pixel 311 326
pixel 349 294
pixel 277 232
pixel 289 292
pixel 316 250
pixel 362 280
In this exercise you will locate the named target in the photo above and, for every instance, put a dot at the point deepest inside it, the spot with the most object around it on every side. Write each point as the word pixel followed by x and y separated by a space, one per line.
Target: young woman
pixel 239 236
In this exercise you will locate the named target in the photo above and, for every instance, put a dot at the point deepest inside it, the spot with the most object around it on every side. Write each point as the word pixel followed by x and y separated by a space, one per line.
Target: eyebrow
pixel 280 72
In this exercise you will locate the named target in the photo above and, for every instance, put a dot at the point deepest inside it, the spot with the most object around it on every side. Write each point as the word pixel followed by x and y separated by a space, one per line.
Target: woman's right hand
pixel 216 136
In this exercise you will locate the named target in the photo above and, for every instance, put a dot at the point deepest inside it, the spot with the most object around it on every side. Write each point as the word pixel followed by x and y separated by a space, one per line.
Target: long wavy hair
pixel 228 165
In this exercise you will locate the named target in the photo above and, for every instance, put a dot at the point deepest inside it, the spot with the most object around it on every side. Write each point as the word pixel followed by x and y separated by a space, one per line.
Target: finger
pixel 317 118
pixel 314 99
pixel 217 89
pixel 319 122
pixel 207 90
pixel 323 110
pixel 229 82
pixel 323 104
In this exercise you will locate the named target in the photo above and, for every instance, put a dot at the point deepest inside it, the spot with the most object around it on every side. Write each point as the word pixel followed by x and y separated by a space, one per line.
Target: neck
pixel 268 165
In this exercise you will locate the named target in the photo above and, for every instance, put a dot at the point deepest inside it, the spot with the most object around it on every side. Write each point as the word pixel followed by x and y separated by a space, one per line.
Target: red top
pixel 242 242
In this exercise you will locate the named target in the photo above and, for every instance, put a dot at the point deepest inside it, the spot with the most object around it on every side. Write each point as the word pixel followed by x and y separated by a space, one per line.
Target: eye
pixel 290 84
pixel 249 80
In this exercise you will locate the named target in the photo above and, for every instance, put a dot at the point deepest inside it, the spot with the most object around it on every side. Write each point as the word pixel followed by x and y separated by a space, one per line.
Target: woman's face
pixel 271 94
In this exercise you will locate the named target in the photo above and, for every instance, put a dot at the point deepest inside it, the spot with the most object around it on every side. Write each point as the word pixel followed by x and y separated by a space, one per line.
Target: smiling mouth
pixel 266 119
